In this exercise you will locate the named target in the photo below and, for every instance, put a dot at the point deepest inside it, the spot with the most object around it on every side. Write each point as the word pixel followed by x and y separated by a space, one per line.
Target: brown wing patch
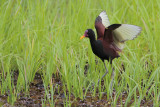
pixel 100 28
pixel 109 36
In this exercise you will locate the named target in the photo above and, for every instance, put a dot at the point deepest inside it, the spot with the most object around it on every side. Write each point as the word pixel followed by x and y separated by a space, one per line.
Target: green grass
pixel 43 36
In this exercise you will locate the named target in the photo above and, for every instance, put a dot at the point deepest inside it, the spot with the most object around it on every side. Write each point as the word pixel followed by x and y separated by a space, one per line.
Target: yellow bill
pixel 82 37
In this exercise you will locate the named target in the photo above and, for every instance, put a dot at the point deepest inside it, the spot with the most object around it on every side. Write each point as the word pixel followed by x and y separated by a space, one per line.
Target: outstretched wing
pixel 119 33
pixel 125 32
pixel 101 23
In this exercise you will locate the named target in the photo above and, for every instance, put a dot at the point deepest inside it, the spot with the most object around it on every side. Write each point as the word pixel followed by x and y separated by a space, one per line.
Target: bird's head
pixel 88 33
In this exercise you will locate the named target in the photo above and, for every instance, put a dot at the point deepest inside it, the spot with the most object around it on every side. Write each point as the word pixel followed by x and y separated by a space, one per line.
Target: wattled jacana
pixel 110 38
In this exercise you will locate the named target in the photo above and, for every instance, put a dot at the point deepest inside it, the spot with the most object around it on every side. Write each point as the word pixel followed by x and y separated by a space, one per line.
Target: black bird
pixel 110 38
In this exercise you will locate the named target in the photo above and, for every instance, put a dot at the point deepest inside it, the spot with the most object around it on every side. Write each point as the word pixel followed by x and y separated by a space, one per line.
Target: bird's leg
pixel 112 77
pixel 105 72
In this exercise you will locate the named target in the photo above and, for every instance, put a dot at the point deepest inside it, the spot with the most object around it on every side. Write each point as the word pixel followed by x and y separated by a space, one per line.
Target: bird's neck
pixel 92 39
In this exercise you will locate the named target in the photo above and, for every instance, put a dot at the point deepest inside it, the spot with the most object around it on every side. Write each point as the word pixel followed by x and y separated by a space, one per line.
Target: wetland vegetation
pixel 44 63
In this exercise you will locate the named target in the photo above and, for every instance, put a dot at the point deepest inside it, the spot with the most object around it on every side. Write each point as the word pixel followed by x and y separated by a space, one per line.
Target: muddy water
pixel 37 92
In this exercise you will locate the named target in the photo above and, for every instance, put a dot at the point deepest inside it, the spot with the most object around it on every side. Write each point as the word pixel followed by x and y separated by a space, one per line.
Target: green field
pixel 43 36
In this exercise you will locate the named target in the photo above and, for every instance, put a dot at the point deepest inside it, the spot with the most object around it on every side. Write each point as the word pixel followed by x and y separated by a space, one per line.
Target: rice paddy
pixel 42 59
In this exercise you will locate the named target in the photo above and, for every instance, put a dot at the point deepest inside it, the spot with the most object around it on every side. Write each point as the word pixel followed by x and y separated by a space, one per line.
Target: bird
pixel 110 38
